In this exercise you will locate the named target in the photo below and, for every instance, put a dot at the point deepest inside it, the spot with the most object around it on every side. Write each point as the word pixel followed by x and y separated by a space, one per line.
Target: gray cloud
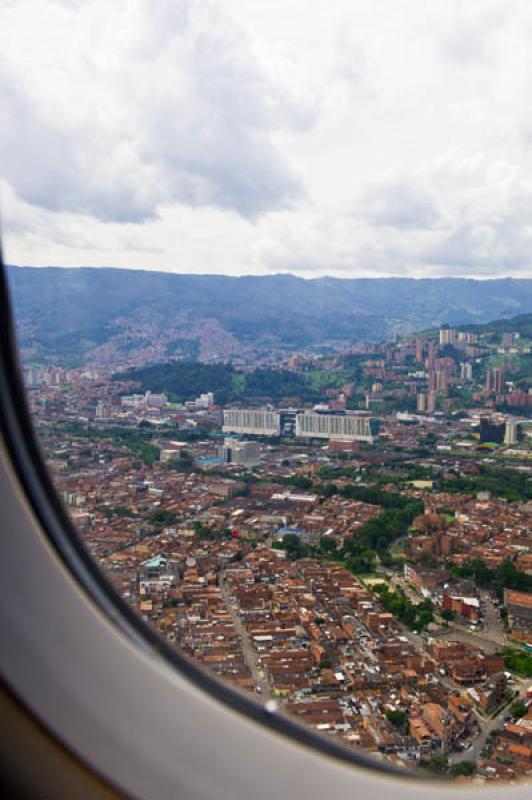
pixel 483 249
pixel 472 28
pixel 399 204
pixel 183 115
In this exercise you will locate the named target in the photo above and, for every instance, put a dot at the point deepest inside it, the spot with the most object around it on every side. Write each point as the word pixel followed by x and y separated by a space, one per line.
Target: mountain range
pixel 120 317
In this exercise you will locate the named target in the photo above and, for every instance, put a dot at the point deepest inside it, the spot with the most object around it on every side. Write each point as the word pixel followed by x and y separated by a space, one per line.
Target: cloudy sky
pixel 319 137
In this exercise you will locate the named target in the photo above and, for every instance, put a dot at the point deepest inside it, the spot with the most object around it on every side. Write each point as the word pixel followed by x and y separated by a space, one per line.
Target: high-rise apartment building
pixel 431 357
pixel 241 453
pixel 465 336
pixel 205 400
pixel 492 429
pixel 426 402
pixel 495 380
pixel 447 363
pixel 442 380
pixel 466 371
pixel 508 340
pixel 438 380
pixel 510 432
pixel 522 399
pixel 447 336
pixel 420 348
pixel 103 410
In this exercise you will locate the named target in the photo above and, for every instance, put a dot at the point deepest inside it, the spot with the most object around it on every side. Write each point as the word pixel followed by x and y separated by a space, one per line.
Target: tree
pixel 447 614
pixel 463 768
pixel 204 531
pixel 424 618
pixel 519 710
pixel 293 546
pixel 398 718
pixel 328 490
pixel 328 544
pixel 437 763
pixel 299 481
pixel 162 517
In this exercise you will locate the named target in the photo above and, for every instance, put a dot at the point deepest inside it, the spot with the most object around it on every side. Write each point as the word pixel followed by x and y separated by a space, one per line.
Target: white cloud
pixel 137 105
pixel 337 137
pixel 399 204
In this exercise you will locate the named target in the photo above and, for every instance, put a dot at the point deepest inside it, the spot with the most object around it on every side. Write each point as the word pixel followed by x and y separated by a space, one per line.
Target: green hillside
pixel 63 314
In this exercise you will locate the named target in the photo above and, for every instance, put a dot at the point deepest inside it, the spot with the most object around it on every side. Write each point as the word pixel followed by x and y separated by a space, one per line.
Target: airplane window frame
pixel 83 573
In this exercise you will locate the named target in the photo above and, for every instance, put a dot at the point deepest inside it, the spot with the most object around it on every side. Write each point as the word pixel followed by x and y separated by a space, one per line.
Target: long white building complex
pixel 310 425
pixel 260 422
pixel 351 427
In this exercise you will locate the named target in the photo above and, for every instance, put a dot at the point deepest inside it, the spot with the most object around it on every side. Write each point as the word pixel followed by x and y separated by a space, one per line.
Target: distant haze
pixel 338 137
pixel 115 317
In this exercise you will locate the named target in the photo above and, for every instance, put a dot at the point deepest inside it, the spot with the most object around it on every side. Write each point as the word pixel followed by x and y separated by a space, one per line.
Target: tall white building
pixel 350 427
pixel 205 400
pixel 260 422
pixel 447 336
pixel 263 422
pixel 241 453
pixel 422 402
pixel 155 400
pixel 150 399
pixel 510 431
pixel 466 371
pixel 103 410
pixel 30 376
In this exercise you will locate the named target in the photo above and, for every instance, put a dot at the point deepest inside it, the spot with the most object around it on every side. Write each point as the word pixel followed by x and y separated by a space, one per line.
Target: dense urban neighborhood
pixel 347 536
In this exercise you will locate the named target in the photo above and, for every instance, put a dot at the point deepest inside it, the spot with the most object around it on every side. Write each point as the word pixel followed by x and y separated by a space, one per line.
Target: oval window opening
pixel 291 421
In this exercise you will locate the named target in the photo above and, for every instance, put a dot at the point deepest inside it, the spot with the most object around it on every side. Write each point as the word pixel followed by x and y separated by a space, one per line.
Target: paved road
pixel 462 634
pixel 486 727
pixel 490 637
pixel 493 626
pixel 494 629
pixel 415 639
pixel 489 725
pixel 250 654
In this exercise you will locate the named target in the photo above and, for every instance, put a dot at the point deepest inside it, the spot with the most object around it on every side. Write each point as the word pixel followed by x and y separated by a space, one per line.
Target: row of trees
pixel 439 765
pixel 360 550
pixel 508 483
pixel 416 617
